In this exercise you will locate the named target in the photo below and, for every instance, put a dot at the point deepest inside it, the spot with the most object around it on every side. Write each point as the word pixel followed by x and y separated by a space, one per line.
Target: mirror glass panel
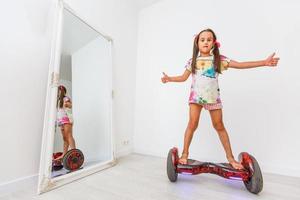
pixel 83 120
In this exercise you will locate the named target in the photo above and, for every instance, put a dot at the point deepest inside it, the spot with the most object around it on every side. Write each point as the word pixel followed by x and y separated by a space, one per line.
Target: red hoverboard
pixel 71 161
pixel 251 175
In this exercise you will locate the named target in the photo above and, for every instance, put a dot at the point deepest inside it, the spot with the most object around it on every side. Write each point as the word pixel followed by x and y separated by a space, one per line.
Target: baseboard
pixel 27 182
pixel 124 152
pixel 148 153
pixel 275 169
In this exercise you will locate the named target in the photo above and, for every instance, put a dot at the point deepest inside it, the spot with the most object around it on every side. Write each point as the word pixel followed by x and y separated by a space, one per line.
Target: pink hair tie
pixel 217 43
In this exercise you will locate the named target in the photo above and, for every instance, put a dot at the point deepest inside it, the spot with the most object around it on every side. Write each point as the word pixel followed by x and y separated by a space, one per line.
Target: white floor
pixel 141 177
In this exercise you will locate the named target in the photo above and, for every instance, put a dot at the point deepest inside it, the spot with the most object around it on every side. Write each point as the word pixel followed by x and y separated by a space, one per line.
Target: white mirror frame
pixel 46 183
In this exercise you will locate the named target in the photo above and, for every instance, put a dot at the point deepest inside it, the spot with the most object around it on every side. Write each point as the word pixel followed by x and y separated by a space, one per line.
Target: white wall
pixel 260 105
pixel 25 51
pixel 25 36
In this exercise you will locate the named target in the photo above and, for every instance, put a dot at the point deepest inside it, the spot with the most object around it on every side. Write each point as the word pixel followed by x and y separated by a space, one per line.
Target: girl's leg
pixel 217 121
pixel 195 110
pixel 66 144
pixel 69 135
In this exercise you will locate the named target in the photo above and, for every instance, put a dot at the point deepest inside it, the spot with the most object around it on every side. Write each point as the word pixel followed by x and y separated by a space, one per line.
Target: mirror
pixel 77 136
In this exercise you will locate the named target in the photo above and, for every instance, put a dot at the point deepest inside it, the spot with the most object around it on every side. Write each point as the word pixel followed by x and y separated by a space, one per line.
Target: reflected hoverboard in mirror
pixel 71 161
pixel 251 174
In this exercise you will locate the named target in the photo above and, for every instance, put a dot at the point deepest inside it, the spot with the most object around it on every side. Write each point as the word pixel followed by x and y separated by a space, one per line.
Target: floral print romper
pixel 205 87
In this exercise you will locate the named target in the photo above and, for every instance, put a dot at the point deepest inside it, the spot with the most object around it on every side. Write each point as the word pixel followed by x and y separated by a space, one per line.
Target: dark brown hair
pixel 61 93
pixel 216 52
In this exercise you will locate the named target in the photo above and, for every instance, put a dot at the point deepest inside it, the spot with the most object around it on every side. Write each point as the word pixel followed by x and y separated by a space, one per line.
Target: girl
pixel 65 119
pixel 205 68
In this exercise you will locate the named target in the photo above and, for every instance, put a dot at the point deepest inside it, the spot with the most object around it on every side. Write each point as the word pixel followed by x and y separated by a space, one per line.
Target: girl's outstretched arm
pixel 181 78
pixel 270 61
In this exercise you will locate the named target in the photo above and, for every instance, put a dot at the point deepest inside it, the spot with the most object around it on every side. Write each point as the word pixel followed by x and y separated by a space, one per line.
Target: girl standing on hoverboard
pixel 65 119
pixel 205 68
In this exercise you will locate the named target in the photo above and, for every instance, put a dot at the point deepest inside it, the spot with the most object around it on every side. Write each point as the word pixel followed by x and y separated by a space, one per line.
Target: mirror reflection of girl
pixel 65 119
pixel 205 66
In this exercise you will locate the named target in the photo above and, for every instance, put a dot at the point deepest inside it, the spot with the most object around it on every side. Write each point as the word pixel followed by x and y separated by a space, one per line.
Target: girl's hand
pixel 165 78
pixel 271 61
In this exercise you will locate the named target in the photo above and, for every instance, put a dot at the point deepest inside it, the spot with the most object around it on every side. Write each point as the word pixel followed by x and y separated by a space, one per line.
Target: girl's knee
pixel 65 138
pixel 193 125
pixel 219 126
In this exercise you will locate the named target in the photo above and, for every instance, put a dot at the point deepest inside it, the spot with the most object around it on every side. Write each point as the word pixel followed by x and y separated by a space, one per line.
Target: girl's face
pixel 205 43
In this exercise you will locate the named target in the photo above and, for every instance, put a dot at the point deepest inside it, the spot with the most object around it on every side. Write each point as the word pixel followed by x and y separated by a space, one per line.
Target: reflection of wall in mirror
pixel 92 97
pixel 65 71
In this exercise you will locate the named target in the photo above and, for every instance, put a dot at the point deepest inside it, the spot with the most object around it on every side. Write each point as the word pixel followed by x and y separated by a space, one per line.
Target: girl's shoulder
pixel 224 58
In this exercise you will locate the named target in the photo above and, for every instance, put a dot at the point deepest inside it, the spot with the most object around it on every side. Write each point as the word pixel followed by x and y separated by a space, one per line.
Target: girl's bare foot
pixel 183 159
pixel 235 164
pixel 59 157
